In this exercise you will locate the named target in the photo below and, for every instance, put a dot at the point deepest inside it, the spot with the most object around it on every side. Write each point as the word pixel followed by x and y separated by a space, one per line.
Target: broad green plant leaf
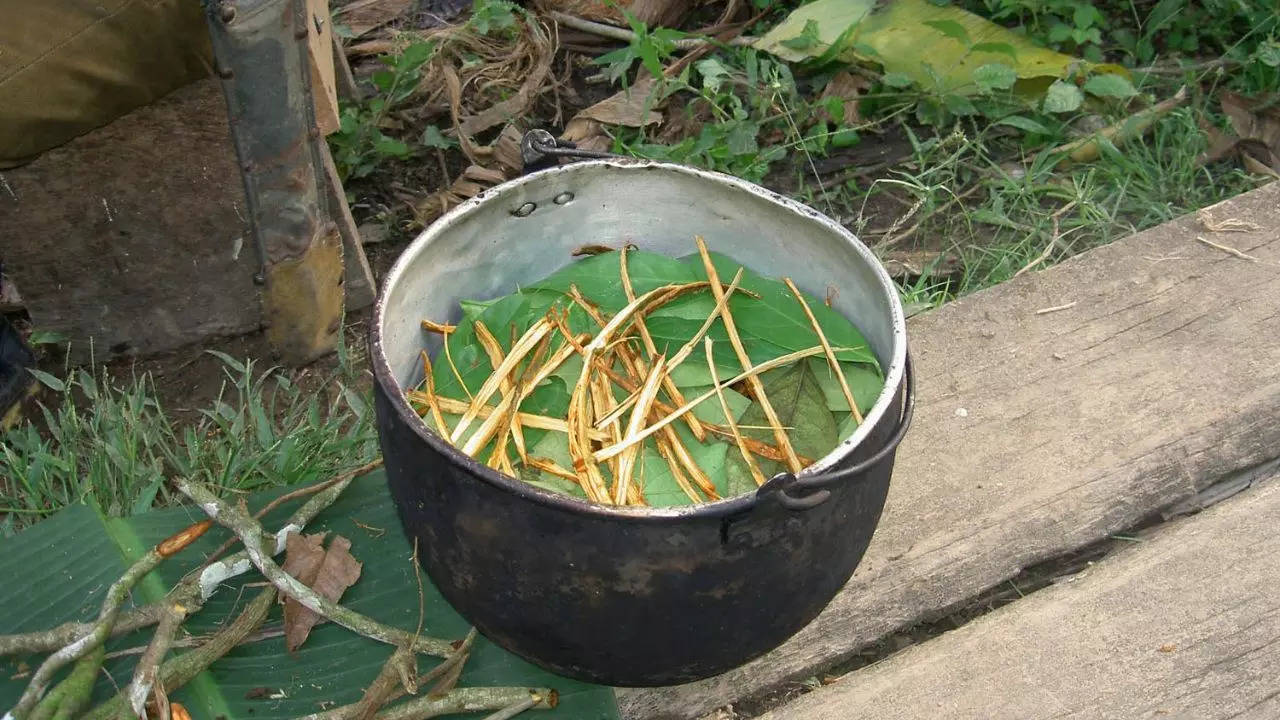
pixel 1110 85
pixel 994 76
pixel 900 34
pixel 797 398
pixel 1062 97
pixel 59 569
pixel 864 381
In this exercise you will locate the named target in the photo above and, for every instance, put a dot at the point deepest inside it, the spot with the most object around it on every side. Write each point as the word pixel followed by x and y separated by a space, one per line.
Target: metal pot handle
pixel 540 149
pixel 804 493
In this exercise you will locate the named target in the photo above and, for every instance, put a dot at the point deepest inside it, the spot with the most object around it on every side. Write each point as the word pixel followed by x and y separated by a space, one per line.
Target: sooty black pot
pixel 632 596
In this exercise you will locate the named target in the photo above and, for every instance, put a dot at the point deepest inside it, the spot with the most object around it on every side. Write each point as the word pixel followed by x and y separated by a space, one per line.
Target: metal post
pixel 260 51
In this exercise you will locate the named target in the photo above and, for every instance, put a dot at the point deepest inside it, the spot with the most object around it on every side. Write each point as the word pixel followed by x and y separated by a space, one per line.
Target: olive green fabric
pixel 68 66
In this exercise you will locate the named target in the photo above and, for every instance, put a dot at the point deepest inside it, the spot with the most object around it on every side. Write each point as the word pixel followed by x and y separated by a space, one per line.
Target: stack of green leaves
pixel 770 321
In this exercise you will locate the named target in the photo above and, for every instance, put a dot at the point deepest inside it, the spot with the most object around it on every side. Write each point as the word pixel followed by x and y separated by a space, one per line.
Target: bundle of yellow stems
pixel 606 431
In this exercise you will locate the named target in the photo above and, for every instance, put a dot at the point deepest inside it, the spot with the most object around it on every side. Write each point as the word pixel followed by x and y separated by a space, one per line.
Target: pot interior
pixel 488 247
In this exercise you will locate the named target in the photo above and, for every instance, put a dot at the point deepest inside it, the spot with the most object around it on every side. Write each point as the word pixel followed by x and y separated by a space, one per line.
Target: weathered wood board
pixel 1040 433
pixel 1183 625
pixel 134 236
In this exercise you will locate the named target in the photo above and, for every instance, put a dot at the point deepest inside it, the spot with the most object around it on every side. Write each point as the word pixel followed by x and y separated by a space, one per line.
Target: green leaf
pixel 776 318
pixel 1110 85
pixel 950 28
pixel 390 146
pixel 798 401
pixel 960 105
pixel 1002 48
pixel 46 337
pixel 897 80
pixel 227 360
pixel 1023 123
pixel 713 73
pixel 864 381
pixel 897 35
pixel 831 19
pixel 994 76
pixel 599 277
pixel 1062 97
pixel 433 138
pixel 334 666
pixel 742 138
pixel 49 381
pixel 807 38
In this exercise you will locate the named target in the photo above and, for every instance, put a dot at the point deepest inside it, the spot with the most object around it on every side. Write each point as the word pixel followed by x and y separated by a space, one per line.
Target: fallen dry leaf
pixel 328 572
pixel 849 88
pixel 635 106
pixel 653 13
pixel 1256 122
pixel 362 16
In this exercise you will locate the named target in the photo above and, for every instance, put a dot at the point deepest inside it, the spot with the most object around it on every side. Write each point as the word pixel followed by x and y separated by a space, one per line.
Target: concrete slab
pixel 1183 625
pixel 1040 432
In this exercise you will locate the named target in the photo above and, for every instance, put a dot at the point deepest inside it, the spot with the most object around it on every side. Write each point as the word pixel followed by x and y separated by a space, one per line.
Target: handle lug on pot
pixel 804 493
pixel 540 150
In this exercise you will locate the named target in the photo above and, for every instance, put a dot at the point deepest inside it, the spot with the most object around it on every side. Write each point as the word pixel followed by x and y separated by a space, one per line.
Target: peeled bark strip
pixel 757 387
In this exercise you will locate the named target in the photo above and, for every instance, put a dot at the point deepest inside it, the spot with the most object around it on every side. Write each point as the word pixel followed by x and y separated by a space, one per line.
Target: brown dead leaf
pixel 1256 122
pixel 503 162
pixel 632 107
pixel 635 106
pixel 653 13
pixel 328 572
pixel 849 88
pixel 365 15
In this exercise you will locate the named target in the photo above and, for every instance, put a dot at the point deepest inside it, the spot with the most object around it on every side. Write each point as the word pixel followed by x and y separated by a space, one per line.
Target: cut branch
pixel 250 533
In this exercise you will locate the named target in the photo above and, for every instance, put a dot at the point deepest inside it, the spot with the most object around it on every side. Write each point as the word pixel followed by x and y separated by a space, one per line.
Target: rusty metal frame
pixel 261 57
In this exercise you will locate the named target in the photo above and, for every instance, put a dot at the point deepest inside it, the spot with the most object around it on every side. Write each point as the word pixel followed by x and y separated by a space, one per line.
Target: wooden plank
pixel 324 87
pixel 1040 433
pixel 1185 624
pixel 358 283
pixel 133 237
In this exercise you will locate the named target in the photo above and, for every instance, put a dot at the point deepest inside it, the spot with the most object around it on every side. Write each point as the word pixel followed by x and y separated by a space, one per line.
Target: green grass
pixel 108 442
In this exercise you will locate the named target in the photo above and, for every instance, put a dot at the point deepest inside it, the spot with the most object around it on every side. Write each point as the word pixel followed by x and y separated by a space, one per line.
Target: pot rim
pixel 386 381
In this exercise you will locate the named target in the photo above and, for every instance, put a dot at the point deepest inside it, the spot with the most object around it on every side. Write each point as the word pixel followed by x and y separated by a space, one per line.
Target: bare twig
pixel 438 328
pixel 67 698
pixel 513 710
pixel 522 347
pixel 343 479
pixel 1227 249
pixel 101 629
pixel 627 461
pixel 45 640
pixel 250 533
pixel 1057 308
pixel 460 700
pixel 180 670
pixel 148 668
pixel 626 36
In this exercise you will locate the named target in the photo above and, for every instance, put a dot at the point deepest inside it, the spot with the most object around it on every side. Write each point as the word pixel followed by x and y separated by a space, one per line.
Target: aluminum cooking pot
pixel 632 596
